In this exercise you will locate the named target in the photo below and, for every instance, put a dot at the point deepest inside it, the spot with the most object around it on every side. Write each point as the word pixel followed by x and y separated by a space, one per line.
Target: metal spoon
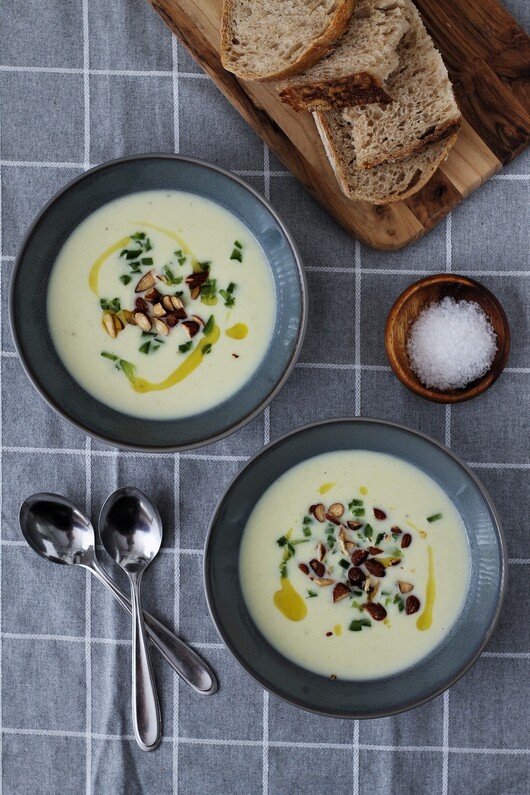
pixel 131 532
pixel 58 531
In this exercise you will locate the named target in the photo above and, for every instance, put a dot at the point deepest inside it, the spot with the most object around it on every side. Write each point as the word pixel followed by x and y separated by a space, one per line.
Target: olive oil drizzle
pixel 237 332
pixel 289 602
pixel 190 363
pixel 182 243
pixel 425 620
pixel 93 275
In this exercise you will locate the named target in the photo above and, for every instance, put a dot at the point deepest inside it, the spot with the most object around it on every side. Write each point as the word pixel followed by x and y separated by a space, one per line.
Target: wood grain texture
pixel 488 56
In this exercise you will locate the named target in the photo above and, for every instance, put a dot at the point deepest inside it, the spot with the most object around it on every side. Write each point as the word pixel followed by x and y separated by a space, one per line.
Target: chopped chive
pixel 178 253
pixel 290 547
pixel 159 341
pixel 395 535
pixel 344 563
pixel 379 539
pixel 358 512
pixel 283 570
pixel 306 531
pixel 385 593
pixel 111 356
pixel 368 531
pixel 207 348
pixel 146 260
pixel 401 606
pixel 236 254
pixel 209 288
pixel 147 246
pixel 231 287
pixel 170 276
pixel 133 254
pixel 210 323
pixel 229 299
pixel 185 347
pixel 366 622
pixel 282 541
pixel 128 368
pixel 145 347
pixel 237 244
pixel 434 517
pixel 110 306
pixel 156 347
pixel 205 266
pixel 307 520
pixel 125 279
pixel 148 333
pixel 311 594
pixel 354 502
pixel 356 626
pixel 138 236
pixel 356 604
pixel 356 593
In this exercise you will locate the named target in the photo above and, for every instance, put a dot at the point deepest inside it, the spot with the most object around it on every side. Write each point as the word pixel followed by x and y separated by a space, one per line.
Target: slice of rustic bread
pixel 385 183
pixel 272 39
pixel 355 71
pixel 423 109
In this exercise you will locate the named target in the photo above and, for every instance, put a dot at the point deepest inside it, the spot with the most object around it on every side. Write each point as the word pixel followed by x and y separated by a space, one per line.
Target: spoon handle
pixel 147 722
pixel 184 660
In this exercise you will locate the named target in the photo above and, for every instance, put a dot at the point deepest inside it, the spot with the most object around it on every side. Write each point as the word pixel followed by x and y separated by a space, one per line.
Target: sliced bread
pixel 355 71
pixel 388 182
pixel 273 39
pixel 423 110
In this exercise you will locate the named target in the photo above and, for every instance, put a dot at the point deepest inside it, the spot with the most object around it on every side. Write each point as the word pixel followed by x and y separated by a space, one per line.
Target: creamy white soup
pixel 161 304
pixel 354 565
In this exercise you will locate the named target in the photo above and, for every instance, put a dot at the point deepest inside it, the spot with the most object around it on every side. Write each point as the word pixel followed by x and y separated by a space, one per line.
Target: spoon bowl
pixel 130 529
pixel 57 530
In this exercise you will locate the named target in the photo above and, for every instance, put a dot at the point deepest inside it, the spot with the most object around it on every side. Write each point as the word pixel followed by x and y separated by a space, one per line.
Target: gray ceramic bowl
pixel 59 218
pixel 377 697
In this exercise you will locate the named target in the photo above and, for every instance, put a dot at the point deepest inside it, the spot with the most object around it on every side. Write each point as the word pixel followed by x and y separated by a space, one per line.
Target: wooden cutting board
pixel 488 57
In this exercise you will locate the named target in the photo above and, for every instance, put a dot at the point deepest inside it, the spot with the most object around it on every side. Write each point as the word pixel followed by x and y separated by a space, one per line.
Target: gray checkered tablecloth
pixel 87 80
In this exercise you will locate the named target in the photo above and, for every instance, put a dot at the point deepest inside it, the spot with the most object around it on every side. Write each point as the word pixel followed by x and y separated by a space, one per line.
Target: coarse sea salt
pixel 450 344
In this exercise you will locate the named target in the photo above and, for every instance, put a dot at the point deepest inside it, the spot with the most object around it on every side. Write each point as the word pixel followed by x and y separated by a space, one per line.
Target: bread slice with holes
pixel 387 182
pixel 273 39
pixel 354 73
pixel 423 109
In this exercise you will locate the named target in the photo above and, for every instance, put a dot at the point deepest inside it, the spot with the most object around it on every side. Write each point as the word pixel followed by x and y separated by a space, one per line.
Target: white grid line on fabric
pixel 349 270
pixel 266 440
pixel 356 758
pixel 88 441
pixel 74 70
pixel 78 165
pixel 357 316
pixel 275 743
pixel 2 258
pixel 205 645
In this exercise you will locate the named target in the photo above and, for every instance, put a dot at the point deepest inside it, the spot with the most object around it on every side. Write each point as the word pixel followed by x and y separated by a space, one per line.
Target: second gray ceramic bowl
pixel 375 697
pixel 39 251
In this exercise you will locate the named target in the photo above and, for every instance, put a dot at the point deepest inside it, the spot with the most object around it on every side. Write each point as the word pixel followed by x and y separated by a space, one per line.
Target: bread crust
pixel 313 53
pixel 328 140
pixel 332 94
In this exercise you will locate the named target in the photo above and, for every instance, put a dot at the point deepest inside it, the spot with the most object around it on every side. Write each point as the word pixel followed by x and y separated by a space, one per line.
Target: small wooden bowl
pixel 407 308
